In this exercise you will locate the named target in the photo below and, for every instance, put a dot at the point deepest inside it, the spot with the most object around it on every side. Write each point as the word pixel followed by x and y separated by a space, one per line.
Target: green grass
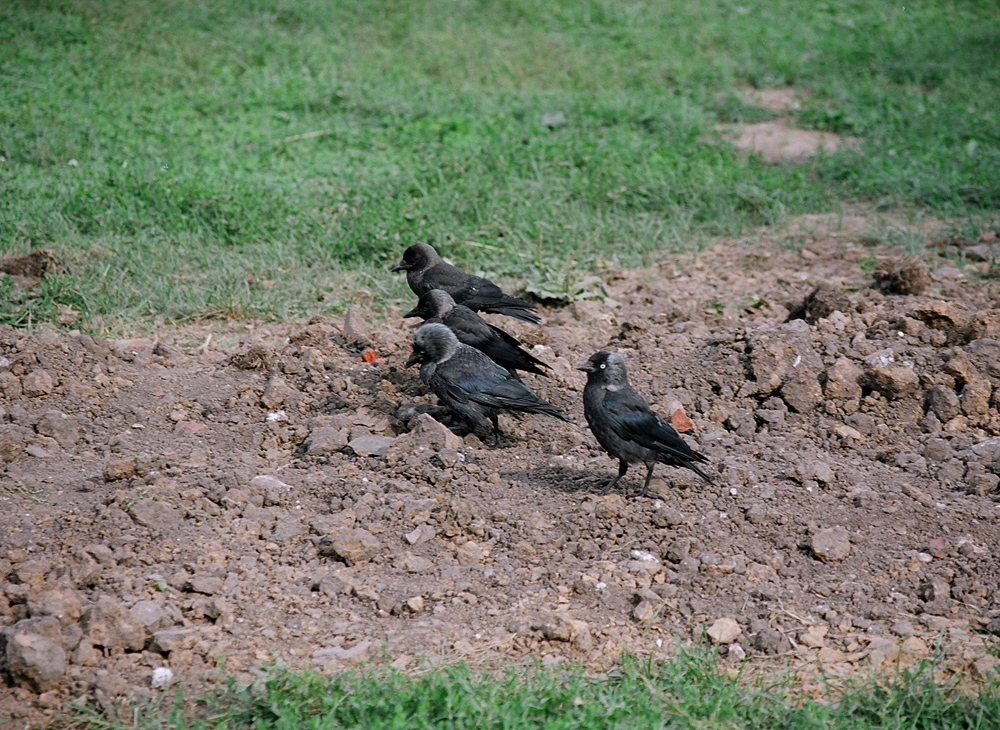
pixel 196 194
pixel 687 692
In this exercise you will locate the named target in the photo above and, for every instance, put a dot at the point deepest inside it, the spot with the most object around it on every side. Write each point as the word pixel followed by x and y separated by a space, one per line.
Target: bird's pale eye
pixel 603 366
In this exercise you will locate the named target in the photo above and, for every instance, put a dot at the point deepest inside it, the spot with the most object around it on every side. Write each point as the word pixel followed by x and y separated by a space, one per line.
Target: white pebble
pixel 162 676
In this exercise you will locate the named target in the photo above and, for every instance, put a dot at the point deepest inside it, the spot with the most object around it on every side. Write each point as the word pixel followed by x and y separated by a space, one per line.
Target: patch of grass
pixel 256 158
pixel 688 692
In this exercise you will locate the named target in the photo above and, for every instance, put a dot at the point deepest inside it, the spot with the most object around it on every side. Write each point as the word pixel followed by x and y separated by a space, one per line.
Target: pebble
pixel 155 514
pixel 162 677
pixel 724 631
pixel 352 546
pixel 371 445
pixel 34 660
pixel 326 440
pixel 111 626
pixel 831 544
pixel 37 383
pixel 421 534
pixel 59 426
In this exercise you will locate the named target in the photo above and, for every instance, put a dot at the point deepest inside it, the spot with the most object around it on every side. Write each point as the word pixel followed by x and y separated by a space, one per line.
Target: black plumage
pixel 626 426
pixel 474 331
pixel 469 383
pixel 425 271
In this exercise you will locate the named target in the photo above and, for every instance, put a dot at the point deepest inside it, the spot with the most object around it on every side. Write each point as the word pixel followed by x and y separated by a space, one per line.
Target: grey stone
pixel 61 602
pixel 771 641
pixel 678 550
pixel 109 625
pixel 351 546
pixel 288 528
pixel 938 450
pixel 893 381
pixel 35 661
pixel 166 641
pixel 427 433
pixel 943 403
pixel 275 392
pixel 208 585
pixel 60 426
pixel 371 445
pixel 816 470
pixel 830 544
pixel 37 383
pixel 802 392
pixel 421 534
pixel 150 615
pixel 326 440
pixel 12 440
pixel 842 380
pixel 155 514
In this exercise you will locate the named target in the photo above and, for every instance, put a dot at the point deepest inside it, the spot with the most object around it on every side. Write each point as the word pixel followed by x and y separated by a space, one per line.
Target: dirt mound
pixel 197 504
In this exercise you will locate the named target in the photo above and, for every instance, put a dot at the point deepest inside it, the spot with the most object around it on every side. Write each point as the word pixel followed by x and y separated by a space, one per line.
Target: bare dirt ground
pixel 212 505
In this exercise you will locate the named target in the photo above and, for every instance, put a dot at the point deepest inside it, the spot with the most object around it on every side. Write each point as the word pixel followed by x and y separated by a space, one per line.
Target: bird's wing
pixel 631 419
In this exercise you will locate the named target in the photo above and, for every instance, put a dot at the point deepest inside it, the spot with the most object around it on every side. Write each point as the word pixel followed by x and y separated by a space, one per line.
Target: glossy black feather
pixel 625 425
pixel 425 271
pixel 469 383
pixel 504 349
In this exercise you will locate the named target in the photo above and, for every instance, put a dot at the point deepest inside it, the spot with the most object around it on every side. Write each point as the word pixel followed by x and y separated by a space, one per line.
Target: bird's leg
pixel 622 468
pixel 496 428
pixel 649 478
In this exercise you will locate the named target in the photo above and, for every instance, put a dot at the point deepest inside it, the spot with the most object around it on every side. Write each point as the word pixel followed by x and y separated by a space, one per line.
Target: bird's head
pixel 606 368
pixel 434 303
pixel 432 342
pixel 418 257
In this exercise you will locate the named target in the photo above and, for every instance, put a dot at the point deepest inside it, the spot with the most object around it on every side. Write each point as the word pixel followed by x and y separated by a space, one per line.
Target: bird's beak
pixel 401 266
pixel 412 313
pixel 586 367
pixel 413 359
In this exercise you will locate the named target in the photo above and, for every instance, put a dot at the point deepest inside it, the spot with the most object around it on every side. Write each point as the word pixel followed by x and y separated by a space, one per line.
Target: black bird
pixel 474 331
pixel 626 426
pixel 426 271
pixel 469 383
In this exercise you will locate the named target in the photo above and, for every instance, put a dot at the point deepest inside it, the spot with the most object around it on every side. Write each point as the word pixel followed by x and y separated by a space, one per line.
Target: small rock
pixel 421 534
pixel 831 544
pixel 162 677
pixel 915 648
pixel 37 383
pixel 208 585
pixel 85 655
pixel 335 655
pixel 802 392
pixel 117 469
pixel 814 637
pixel 645 610
pixel 287 529
pixel 12 440
pixel 155 514
pixel 109 625
pixel 150 615
pixel 471 553
pixel 842 380
pixel 724 631
pixel 427 433
pixel 938 450
pixel 893 381
pixel 62 602
pixel 35 661
pixel 60 426
pixel 326 440
pixel 771 641
pixel 942 401
pixel 371 445
pixel 901 276
pixel 816 470
pixel 415 563
pixel 166 641
pixel 357 331
pixel 275 392
pixel 191 428
pixel 415 604
pixel 828 655
pixel 558 626
pixel 352 547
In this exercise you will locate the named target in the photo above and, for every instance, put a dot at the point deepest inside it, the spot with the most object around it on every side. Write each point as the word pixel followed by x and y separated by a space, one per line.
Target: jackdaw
pixel 469 383
pixel 426 271
pixel 626 426
pixel 474 331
